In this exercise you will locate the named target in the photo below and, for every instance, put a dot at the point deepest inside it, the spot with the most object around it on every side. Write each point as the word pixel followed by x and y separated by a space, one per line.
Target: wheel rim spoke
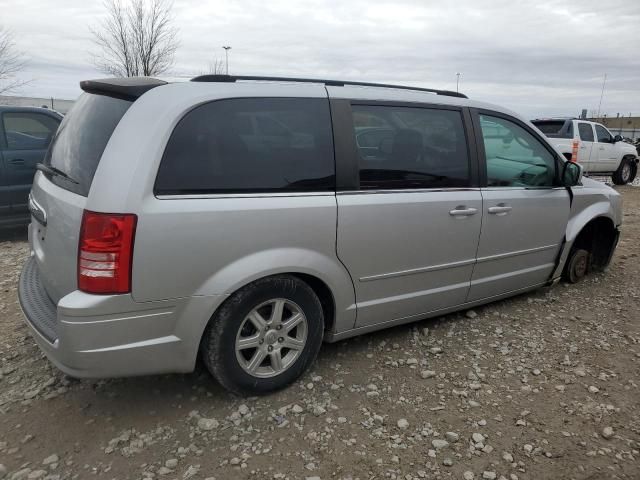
pixel 248 342
pixel 293 343
pixel 292 322
pixel 256 360
pixel 276 360
pixel 276 314
pixel 257 320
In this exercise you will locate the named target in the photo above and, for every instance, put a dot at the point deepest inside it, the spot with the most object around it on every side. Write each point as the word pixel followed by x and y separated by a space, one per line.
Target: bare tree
pixel 216 67
pixel 136 39
pixel 12 61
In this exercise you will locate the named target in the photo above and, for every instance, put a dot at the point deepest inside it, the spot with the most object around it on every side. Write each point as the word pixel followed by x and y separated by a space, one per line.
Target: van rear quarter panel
pixel 213 246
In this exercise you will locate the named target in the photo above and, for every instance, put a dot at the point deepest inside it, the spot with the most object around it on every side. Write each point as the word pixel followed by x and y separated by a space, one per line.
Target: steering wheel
pixel 533 179
pixel 522 143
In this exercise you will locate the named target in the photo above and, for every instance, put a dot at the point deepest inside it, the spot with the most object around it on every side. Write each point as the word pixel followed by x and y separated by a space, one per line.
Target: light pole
pixel 457 82
pixel 602 94
pixel 226 56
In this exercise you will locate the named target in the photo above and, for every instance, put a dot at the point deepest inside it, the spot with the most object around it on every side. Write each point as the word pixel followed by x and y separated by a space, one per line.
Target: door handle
pixel 462 211
pixel 16 161
pixel 601 148
pixel 499 210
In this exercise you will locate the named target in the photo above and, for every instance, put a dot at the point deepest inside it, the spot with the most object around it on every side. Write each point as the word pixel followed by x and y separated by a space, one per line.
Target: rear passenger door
pixel 525 212
pixel 585 153
pixel 27 137
pixel 408 213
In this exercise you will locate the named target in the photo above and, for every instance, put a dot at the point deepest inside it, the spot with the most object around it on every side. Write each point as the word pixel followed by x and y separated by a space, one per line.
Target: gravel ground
pixel 543 385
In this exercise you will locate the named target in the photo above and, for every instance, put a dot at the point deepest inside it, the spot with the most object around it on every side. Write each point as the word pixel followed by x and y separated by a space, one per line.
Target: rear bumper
pixel 99 336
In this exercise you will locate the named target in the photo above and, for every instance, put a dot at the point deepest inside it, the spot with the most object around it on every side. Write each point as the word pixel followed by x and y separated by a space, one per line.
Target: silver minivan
pixel 247 219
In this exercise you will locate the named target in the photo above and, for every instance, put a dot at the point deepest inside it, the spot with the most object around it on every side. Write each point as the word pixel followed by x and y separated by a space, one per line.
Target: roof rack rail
pixel 333 83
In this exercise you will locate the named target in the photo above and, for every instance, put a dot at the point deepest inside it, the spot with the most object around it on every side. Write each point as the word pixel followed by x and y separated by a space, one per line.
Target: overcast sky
pixel 536 57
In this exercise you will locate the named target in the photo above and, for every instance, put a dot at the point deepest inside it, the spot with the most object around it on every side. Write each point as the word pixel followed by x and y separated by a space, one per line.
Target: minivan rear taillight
pixel 105 252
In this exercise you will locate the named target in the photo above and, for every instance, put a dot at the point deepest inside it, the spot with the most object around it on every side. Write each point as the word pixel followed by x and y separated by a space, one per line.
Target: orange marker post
pixel 574 152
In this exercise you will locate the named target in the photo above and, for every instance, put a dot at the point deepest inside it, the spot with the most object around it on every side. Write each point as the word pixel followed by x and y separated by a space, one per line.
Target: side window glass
pixel 514 157
pixel 586 132
pixel 603 135
pixel 407 147
pixel 250 145
pixel 28 131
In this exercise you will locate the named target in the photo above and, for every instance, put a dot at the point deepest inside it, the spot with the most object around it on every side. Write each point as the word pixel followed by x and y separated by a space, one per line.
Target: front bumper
pixel 99 336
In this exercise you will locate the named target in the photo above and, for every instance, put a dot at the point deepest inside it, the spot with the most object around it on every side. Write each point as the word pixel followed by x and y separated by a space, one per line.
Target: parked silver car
pixel 241 221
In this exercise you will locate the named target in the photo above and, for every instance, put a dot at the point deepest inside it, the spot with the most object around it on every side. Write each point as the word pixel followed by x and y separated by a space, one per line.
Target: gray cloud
pixel 540 58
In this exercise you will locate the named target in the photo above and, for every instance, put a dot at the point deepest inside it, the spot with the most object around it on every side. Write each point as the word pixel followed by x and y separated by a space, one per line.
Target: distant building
pixel 625 126
pixel 56 104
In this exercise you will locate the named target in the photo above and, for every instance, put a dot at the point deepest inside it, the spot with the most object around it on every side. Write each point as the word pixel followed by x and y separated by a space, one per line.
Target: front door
pixel 607 159
pixel 524 214
pixel 408 231
pixel 27 137
pixel 586 155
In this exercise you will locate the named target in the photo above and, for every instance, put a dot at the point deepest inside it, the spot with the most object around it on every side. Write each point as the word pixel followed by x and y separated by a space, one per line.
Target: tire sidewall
pixel 226 323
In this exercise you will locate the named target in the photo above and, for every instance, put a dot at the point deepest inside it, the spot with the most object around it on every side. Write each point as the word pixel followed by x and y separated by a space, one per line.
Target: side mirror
pixel 617 138
pixel 571 174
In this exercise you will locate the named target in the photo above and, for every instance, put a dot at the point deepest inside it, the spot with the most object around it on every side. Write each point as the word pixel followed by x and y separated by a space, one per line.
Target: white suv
pixel 593 146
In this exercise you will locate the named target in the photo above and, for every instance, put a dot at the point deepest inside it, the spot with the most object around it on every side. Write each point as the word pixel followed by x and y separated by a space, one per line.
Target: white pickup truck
pixel 597 150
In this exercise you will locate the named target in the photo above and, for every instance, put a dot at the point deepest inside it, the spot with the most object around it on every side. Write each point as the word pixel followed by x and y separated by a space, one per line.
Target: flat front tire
pixel 577 265
pixel 264 336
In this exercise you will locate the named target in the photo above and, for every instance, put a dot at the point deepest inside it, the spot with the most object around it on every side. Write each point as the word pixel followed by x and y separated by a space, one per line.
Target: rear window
pixel 555 128
pixel 246 145
pixel 81 139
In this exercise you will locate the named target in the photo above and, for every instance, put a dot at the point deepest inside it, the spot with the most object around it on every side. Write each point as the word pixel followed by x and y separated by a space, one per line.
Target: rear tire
pixel 264 336
pixel 577 265
pixel 626 172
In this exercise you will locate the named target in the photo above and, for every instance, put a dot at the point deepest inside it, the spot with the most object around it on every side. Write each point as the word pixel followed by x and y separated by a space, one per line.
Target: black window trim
pixel 475 115
pixel 346 152
pixel 4 142
pixel 255 193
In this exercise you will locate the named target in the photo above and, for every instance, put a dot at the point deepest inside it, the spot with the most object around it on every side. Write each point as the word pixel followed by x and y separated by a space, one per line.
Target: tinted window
pixel 514 156
pixel 555 128
pixel 407 147
pixel 250 145
pixel 586 132
pixel 82 138
pixel 603 134
pixel 28 131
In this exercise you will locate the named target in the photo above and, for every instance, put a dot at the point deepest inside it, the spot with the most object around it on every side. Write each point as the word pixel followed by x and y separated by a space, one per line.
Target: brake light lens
pixel 105 252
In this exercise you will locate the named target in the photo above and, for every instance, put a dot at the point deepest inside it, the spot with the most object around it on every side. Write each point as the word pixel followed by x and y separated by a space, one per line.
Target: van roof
pixel 133 87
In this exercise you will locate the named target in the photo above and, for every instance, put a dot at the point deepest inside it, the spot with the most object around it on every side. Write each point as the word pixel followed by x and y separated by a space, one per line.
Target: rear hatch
pixel 59 196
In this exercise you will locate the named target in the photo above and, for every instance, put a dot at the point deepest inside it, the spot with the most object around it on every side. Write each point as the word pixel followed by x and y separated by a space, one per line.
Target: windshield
pixel 81 139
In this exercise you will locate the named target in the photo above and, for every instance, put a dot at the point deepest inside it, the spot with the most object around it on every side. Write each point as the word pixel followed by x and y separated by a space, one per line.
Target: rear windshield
pixel 81 139
pixel 555 128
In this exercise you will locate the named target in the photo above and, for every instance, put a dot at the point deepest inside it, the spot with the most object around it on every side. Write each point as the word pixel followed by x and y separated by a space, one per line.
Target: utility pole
pixel 458 82
pixel 602 93
pixel 226 56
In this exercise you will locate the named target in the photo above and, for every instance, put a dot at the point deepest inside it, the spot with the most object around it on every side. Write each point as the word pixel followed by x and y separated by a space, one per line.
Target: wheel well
pixel 597 237
pixel 323 292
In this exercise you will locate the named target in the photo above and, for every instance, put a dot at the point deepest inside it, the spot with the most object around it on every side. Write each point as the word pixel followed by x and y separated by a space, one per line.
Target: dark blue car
pixel 25 135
